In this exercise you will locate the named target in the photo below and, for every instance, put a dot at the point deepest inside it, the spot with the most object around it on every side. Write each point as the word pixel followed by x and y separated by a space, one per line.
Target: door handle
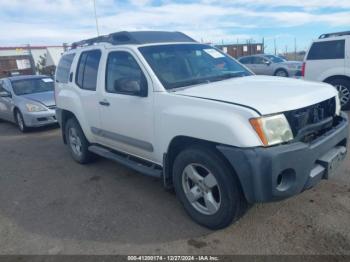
pixel 104 103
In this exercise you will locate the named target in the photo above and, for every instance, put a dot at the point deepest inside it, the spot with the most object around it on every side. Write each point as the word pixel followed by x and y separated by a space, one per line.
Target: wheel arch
pixel 65 116
pixel 331 78
pixel 180 143
pixel 280 69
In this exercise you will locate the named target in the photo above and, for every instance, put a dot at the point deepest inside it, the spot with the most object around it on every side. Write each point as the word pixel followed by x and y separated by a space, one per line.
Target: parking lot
pixel 51 205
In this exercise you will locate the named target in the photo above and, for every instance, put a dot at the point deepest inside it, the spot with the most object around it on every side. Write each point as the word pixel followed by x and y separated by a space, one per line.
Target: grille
pixel 51 107
pixel 304 121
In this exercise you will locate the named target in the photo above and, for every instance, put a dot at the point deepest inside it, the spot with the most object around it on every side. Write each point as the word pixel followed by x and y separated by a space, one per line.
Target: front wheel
pixel 20 122
pixel 207 187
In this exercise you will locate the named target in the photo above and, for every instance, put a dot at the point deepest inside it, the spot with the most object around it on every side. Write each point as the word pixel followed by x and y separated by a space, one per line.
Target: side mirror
pixel 131 86
pixel 267 62
pixel 5 94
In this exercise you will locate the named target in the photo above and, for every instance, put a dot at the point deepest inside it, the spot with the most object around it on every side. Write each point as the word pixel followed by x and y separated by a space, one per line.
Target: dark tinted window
pixel 327 50
pixel 63 68
pixel 87 70
pixel 246 60
pixel 123 74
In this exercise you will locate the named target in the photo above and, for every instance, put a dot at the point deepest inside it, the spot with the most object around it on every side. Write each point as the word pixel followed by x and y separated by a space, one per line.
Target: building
pixel 238 50
pixel 28 59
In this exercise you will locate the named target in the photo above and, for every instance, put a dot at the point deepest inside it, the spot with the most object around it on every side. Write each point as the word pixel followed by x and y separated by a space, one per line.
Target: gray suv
pixel 272 65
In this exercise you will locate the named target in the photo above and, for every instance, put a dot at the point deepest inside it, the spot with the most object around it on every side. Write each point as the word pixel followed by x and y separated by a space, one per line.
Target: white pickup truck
pixel 169 107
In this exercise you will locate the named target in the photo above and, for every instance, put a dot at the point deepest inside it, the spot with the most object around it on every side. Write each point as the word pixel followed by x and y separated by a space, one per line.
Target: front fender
pixel 203 119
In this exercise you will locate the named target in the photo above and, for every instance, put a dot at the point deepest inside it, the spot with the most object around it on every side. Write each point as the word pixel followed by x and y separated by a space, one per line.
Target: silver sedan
pixel 272 65
pixel 27 101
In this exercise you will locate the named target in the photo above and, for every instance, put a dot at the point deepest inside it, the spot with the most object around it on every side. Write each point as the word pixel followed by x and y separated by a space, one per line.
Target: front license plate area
pixel 331 160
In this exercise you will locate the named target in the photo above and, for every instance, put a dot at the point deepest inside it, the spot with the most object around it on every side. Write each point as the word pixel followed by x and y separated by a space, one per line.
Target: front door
pixel 126 106
pixel 6 102
pixel 261 67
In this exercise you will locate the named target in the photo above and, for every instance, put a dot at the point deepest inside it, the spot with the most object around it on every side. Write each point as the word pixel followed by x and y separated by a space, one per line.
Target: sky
pixel 52 22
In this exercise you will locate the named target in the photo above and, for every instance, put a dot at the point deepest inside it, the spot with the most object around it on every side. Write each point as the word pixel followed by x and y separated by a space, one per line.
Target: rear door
pixel 248 62
pixel 325 58
pixel 86 79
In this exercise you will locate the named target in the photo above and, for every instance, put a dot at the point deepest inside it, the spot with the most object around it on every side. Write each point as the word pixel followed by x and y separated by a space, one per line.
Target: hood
pixel 266 94
pixel 45 98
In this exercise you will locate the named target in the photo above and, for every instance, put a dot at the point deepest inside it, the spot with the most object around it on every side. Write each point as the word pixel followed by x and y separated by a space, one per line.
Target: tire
pixel 77 142
pixel 281 73
pixel 20 122
pixel 226 200
pixel 343 87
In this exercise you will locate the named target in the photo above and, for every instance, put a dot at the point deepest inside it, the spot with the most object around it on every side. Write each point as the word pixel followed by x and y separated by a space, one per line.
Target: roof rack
pixel 137 37
pixel 334 34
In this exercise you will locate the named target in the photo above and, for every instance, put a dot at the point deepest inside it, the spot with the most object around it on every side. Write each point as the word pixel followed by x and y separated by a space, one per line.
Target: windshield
pixel 275 59
pixel 30 86
pixel 181 65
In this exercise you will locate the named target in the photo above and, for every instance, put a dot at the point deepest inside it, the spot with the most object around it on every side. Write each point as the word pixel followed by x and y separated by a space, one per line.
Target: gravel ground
pixel 51 205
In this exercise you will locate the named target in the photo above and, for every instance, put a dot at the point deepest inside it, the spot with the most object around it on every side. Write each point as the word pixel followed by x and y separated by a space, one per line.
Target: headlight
pixel 35 108
pixel 272 129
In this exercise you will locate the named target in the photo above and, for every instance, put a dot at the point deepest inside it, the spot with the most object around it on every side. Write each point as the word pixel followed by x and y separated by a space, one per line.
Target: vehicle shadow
pixel 45 192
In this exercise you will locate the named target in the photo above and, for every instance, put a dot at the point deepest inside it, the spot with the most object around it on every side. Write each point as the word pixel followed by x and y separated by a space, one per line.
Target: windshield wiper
pixel 228 75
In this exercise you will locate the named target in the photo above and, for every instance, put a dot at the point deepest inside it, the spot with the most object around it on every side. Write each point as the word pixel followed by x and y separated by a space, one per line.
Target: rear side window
pixel 327 50
pixel 63 68
pixel 86 77
pixel 246 60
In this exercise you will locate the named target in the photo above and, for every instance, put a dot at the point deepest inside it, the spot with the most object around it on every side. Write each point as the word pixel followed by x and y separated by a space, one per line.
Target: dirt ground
pixel 51 205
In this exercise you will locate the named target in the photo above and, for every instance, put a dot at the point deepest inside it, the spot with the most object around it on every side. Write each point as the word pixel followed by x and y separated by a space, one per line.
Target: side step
pixel 138 165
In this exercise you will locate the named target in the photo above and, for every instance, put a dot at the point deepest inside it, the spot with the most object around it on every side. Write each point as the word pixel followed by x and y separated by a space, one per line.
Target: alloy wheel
pixel 20 121
pixel 281 73
pixel 75 142
pixel 201 189
pixel 344 94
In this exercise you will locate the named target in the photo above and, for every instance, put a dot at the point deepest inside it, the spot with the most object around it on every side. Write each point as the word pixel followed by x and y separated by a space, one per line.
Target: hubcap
pixel 201 189
pixel 20 121
pixel 344 94
pixel 75 141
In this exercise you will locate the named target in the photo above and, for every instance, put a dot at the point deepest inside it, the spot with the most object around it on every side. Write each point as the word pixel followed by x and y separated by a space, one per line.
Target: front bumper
pixel 37 119
pixel 259 169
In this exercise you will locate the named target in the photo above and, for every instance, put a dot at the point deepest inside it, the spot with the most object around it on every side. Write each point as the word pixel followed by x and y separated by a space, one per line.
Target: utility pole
pixel 98 31
pixel 274 43
pixel 295 48
pixel 31 59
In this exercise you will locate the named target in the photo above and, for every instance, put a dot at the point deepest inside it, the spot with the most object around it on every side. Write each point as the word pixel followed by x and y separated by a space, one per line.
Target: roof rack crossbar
pixel 334 34
pixel 138 37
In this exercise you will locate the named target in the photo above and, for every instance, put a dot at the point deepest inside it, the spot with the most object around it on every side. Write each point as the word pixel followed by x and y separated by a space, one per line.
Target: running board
pixel 140 166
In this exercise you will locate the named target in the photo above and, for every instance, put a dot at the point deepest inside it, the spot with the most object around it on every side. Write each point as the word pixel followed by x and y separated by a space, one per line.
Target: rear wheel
pixel 206 187
pixel 20 122
pixel 77 142
pixel 281 73
pixel 343 87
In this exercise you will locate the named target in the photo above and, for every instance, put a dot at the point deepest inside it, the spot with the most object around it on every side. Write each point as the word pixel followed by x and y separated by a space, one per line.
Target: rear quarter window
pixel 63 68
pixel 327 50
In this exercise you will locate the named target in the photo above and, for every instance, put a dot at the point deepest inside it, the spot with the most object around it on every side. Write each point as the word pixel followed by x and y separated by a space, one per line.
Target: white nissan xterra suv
pixel 169 107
